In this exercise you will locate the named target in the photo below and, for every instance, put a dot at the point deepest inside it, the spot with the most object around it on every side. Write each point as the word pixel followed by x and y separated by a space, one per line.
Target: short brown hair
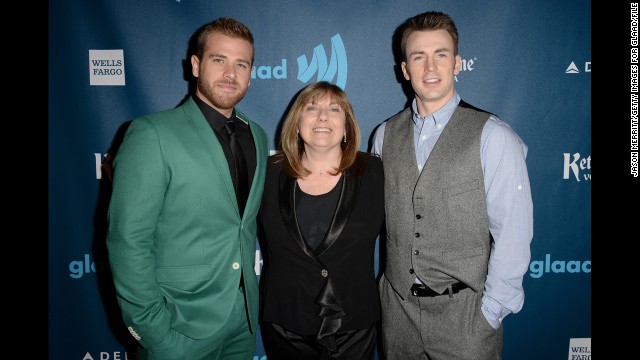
pixel 427 21
pixel 292 146
pixel 227 26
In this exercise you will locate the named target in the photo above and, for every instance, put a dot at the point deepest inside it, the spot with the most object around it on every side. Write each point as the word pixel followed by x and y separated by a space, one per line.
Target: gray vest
pixel 437 223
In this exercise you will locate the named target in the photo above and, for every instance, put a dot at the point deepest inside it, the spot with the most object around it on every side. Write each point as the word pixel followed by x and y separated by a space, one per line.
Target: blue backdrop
pixel 529 62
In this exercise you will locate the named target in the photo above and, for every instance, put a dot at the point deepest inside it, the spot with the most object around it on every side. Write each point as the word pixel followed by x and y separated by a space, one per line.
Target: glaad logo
pixel 578 166
pixel 318 64
pixel 78 268
pixel 333 69
pixel 538 268
pixel 266 72
pixel 573 69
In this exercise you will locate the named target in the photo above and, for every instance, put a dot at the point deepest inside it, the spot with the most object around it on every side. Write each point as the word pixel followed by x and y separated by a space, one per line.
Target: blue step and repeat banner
pixel 110 61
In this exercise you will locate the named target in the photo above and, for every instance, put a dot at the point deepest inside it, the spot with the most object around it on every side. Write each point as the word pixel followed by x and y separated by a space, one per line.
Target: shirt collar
pixel 213 116
pixel 440 116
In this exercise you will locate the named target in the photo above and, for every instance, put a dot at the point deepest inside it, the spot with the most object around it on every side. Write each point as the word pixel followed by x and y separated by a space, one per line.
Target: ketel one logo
pixel 336 67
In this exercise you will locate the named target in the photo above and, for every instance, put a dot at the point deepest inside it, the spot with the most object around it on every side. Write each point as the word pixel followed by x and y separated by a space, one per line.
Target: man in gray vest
pixel 459 214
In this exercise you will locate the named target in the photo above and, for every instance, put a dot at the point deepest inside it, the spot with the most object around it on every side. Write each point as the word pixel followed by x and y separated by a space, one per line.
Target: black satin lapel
pixel 348 196
pixel 288 213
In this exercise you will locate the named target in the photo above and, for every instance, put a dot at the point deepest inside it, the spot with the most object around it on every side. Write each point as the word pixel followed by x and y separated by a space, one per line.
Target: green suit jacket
pixel 177 244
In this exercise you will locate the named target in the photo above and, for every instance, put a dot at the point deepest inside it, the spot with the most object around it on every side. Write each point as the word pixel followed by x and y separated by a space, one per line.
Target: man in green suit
pixel 181 242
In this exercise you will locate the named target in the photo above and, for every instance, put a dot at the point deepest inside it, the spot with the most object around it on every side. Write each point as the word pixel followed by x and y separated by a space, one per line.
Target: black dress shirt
pixel 243 133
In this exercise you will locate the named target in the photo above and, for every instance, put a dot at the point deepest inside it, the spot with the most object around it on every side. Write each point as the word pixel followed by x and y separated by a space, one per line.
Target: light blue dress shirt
pixel 509 204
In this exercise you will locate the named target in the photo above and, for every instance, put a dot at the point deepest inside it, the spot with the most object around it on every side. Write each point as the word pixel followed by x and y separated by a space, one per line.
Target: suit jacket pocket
pixel 187 278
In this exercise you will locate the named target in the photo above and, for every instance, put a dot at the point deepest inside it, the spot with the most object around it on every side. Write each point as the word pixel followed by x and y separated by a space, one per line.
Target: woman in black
pixel 322 211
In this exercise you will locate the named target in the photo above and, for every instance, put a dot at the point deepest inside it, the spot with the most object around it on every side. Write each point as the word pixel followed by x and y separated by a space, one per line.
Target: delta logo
pixel 116 355
pixel 573 68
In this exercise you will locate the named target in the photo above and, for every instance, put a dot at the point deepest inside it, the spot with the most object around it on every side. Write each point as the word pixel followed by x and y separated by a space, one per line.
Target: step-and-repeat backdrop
pixel 110 61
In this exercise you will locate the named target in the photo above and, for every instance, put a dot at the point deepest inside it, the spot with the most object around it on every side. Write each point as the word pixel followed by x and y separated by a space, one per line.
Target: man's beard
pixel 218 99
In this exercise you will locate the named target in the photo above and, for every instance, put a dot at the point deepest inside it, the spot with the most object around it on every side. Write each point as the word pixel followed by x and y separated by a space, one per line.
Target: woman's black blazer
pixel 292 276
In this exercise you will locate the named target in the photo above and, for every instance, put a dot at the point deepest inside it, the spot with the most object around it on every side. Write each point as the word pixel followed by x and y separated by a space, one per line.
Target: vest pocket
pixel 463 187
